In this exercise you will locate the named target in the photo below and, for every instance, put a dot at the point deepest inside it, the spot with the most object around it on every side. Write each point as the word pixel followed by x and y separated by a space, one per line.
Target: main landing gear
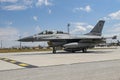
pixel 54 49
pixel 84 50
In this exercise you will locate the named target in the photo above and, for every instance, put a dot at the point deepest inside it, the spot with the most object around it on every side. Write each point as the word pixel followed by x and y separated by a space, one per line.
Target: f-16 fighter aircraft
pixel 69 42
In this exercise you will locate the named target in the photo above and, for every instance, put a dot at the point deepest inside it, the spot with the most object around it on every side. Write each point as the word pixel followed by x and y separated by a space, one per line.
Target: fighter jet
pixel 69 42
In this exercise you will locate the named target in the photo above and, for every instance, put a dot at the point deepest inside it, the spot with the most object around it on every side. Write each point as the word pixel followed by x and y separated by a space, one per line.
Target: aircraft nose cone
pixel 27 39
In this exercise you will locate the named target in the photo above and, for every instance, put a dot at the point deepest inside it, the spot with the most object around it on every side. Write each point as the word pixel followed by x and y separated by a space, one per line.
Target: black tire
pixel 84 50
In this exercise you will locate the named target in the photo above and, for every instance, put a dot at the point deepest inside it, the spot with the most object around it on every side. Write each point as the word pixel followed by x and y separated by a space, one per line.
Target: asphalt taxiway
pixel 100 64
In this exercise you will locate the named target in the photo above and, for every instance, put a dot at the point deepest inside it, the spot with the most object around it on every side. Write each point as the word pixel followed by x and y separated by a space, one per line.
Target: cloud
pixel 25 34
pixel 8 33
pixel 43 2
pixel 89 27
pixel 28 2
pixel 49 11
pixel 113 16
pixel 80 27
pixel 86 9
pixel 35 18
pixel 115 28
pixel 105 18
pixel 8 23
pixel 37 29
pixel 14 7
pixel 10 1
pixel 117 25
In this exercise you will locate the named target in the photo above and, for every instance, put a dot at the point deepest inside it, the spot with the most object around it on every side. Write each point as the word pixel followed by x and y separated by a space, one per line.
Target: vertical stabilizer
pixel 97 30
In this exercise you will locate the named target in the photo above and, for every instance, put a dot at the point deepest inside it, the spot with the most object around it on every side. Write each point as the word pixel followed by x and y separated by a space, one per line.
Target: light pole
pixel 68 28
pixel 1 44
pixel 20 42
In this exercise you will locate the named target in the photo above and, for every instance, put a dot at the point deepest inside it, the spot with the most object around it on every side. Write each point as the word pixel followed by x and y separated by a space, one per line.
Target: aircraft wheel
pixel 54 49
pixel 73 51
pixel 84 50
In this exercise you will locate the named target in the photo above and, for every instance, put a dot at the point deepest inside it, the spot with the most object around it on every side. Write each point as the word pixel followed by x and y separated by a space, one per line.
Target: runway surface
pixel 98 64
pixel 106 70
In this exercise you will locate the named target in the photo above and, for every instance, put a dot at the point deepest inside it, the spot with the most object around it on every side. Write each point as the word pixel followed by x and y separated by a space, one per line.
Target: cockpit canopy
pixel 51 32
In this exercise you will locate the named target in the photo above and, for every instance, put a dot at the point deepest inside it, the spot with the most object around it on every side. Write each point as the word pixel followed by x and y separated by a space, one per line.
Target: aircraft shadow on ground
pixel 50 53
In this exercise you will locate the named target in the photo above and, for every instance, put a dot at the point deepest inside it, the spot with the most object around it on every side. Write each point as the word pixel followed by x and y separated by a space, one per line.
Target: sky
pixel 20 18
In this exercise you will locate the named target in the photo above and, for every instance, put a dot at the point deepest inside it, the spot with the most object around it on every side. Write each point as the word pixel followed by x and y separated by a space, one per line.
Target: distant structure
pixel 118 42
pixel 20 42
pixel 68 27
pixel 1 44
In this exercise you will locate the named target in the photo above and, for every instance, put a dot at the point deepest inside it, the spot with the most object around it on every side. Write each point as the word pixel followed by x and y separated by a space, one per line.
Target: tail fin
pixel 97 30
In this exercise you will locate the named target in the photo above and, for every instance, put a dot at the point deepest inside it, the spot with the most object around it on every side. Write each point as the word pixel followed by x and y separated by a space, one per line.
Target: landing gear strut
pixel 84 50
pixel 54 49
